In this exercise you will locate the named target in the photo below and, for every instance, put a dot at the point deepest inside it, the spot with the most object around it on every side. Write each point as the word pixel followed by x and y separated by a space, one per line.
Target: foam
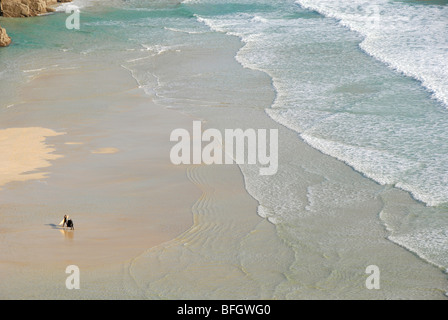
pixel 184 31
pixel 428 244
pixel 74 5
pixel 410 39
pixel 159 49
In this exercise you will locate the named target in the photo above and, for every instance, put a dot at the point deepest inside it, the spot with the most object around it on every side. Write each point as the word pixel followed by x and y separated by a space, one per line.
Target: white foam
pixel 410 39
pixel 75 5
pixel 428 244
pixel 159 49
pixel 34 70
pixel 190 1
pixel 183 31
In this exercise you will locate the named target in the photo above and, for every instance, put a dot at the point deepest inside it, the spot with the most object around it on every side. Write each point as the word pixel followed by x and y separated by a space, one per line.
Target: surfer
pixel 70 224
pixel 65 221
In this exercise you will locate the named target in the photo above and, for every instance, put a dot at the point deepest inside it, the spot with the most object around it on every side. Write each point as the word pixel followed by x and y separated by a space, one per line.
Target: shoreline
pixel 404 190
pixel 366 209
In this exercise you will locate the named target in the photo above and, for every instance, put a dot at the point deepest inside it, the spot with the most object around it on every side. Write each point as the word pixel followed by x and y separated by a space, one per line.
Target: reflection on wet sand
pixel 68 234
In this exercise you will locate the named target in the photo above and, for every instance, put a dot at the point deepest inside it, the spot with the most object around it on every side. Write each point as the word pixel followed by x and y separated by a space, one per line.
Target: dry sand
pixel 23 151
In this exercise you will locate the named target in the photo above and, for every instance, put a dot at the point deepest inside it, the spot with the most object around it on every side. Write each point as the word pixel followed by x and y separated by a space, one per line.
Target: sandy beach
pixel 113 183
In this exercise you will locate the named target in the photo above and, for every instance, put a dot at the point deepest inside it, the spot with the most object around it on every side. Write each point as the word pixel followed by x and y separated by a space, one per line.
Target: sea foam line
pixel 418 64
pixel 222 26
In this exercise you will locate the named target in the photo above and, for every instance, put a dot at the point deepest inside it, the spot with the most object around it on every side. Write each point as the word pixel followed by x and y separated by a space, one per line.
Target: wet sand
pixel 110 172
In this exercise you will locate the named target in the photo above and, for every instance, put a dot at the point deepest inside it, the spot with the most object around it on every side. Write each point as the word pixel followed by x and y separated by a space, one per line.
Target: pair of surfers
pixel 67 222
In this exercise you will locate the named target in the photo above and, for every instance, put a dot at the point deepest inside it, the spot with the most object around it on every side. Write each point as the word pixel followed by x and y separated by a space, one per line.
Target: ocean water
pixel 366 85
pixel 364 82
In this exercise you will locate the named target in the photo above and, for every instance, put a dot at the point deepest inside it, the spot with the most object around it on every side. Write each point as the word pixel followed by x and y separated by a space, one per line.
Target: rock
pixel 5 40
pixel 27 8
pixel 23 8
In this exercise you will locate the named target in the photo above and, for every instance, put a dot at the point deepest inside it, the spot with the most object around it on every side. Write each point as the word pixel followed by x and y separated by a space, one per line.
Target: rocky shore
pixel 22 9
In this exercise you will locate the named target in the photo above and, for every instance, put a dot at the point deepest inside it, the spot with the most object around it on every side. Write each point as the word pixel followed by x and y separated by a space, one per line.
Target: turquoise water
pixel 365 83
